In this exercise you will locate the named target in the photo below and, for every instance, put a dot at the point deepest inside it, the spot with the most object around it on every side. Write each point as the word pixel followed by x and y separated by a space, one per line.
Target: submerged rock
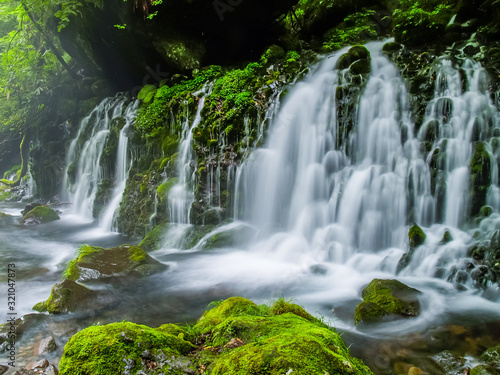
pixel 384 299
pixel 484 370
pixel 39 215
pixel 92 263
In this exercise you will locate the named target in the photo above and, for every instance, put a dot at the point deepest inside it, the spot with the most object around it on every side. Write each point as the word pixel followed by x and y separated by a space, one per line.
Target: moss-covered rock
pixel 480 179
pixel 387 299
pixel 39 215
pixel 416 237
pixel 235 337
pixel 447 237
pixel 274 340
pixel 93 263
pixel 124 348
pixel 492 357
pixel 65 297
pixel 484 370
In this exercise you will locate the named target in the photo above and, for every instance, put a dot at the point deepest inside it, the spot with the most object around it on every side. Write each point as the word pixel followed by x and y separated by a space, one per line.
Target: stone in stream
pixel 66 296
pixel 492 356
pixel 43 363
pixel 47 345
pixel 93 263
pixel 39 215
pixel 484 370
pixel 448 362
pixel 387 299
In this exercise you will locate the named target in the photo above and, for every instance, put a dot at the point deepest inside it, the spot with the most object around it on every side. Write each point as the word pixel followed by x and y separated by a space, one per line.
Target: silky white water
pixel 84 159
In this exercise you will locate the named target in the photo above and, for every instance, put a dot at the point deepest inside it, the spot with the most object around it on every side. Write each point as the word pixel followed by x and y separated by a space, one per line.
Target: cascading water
pixel 332 207
pixel 123 165
pixel 85 170
pixel 181 195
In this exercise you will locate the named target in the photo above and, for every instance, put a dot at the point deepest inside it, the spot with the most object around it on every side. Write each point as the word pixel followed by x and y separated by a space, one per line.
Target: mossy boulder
pixel 235 337
pixel 39 215
pixel 3 214
pixel 92 263
pixel 125 348
pixel 480 178
pixel 65 297
pixel 274 340
pixel 387 299
pixel 416 237
pixel 492 357
pixel 484 370
pixel 357 59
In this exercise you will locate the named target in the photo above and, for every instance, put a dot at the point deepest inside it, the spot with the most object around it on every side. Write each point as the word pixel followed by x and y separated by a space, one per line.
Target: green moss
pixel 274 344
pixel 64 297
pixel 164 189
pixel 447 237
pixel 40 215
pixel 97 262
pixel 272 54
pixel 72 272
pixel 416 236
pixel 154 239
pixel 12 171
pixel 109 349
pixel 383 298
pixel 137 254
pixel 480 168
pixel 417 23
pixel 356 28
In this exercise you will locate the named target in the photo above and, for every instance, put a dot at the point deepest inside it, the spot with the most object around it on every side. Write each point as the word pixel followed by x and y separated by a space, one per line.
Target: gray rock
pixel 43 363
pixel 51 370
pixel 47 345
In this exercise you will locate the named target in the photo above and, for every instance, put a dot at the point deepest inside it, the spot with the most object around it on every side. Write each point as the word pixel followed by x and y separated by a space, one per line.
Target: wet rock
pixel 65 297
pixel 228 237
pixel 492 356
pixel 51 370
pixel 47 345
pixel 22 325
pixel 43 363
pixel 447 237
pixel 448 362
pixel 93 263
pixel 480 178
pixel 26 372
pixel 39 215
pixel 387 299
pixel 3 369
pixel 484 370
pixel 29 207
pixel 416 237
pixel 415 371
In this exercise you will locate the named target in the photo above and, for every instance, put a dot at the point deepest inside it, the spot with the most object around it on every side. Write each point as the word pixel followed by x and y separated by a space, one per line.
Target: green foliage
pixel 420 22
pixel 155 114
pixel 356 28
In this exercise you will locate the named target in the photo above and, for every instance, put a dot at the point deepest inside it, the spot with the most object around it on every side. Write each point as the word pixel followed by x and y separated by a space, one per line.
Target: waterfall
pixel 85 165
pixel 181 195
pixel 123 165
pixel 318 196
